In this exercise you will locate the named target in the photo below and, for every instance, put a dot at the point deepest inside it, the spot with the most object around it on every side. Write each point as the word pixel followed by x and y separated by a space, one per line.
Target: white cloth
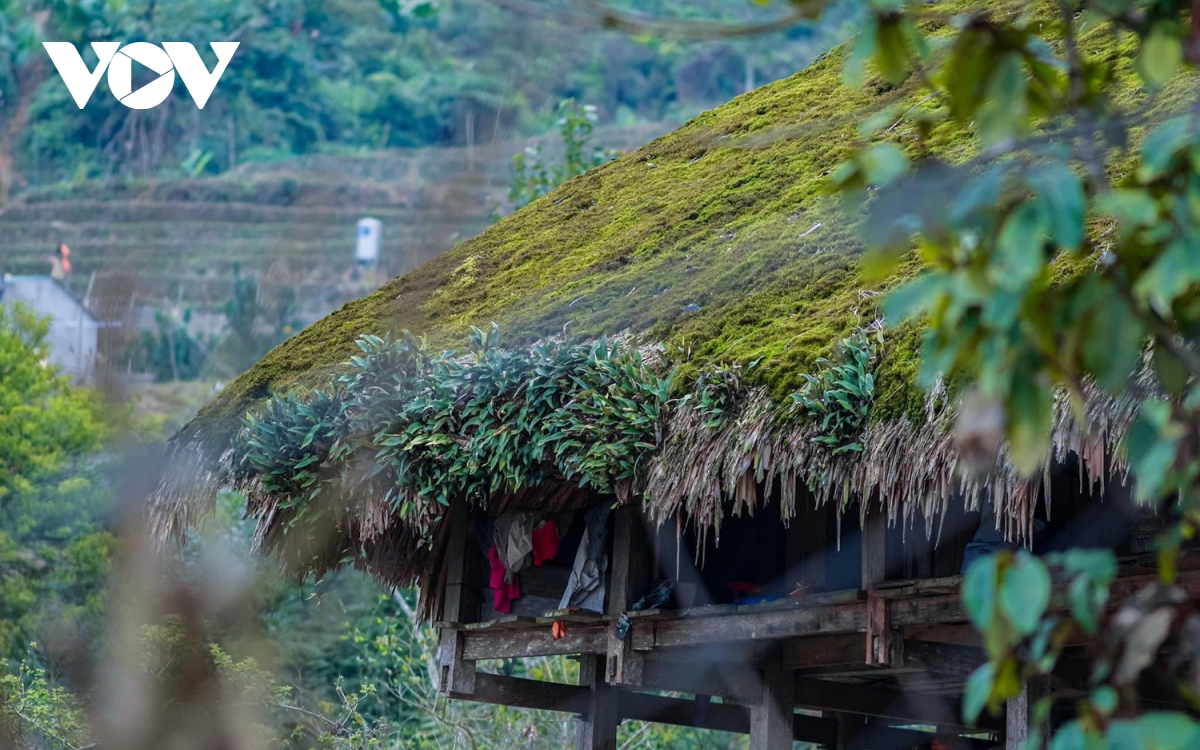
pixel 585 587
pixel 513 536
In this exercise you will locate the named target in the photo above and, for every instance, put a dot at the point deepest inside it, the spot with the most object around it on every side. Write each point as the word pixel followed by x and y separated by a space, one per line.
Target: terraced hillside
pixel 291 223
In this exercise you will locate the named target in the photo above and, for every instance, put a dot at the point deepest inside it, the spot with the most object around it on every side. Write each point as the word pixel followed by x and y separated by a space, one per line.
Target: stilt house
pixel 668 505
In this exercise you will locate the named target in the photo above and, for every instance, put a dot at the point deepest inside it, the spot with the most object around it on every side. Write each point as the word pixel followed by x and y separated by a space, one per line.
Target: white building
pixel 73 330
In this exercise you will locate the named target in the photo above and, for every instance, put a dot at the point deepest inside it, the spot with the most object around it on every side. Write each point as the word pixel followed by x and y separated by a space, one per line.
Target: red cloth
pixel 545 542
pixel 504 593
pixel 545 547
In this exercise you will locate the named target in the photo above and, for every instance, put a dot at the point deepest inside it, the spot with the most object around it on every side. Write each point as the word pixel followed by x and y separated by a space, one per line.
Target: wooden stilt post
pixel 880 646
pixel 771 721
pixel 459 604
pixel 627 584
pixel 849 730
pixel 598 729
pixel 1020 721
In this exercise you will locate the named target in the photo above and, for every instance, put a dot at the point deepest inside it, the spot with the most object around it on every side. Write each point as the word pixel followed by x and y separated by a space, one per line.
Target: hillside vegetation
pixel 354 75
pixel 291 223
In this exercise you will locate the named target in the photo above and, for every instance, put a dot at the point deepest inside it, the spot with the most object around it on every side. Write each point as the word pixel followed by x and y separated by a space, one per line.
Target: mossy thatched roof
pixel 719 237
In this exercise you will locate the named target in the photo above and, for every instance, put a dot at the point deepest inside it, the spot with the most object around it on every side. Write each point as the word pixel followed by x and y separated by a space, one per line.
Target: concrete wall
pixel 73 331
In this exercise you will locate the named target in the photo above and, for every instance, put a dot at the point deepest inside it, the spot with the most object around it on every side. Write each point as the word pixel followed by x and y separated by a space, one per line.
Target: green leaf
pixel 979 193
pixel 1030 414
pixel 979 591
pixel 1161 145
pixel 1133 207
pixel 1003 112
pixel 1162 730
pixel 1020 246
pixel 854 71
pixel 1124 734
pixel 914 298
pixel 1112 345
pixel 1172 372
pixel 883 163
pixel 1171 275
pixel 1160 56
pixel 1025 592
pixel 1104 698
pixel 1062 192
pixel 1152 444
pixel 1073 736
pixel 978 690
pixel 891 52
pixel 308 461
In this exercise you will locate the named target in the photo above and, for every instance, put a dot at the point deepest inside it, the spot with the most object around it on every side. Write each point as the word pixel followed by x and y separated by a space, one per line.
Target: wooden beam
pixel 885 703
pixel 841 618
pixel 874 549
pixel 932 618
pixel 878 639
pixel 553 696
pixel 943 658
pixel 731 683
pixel 598 728
pixel 960 635
pixel 932 610
pixel 815 730
pixel 722 717
pixel 822 651
pixel 883 644
pixel 515 644
pixel 874 735
pixel 771 724
pixel 680 712
pixel 523 693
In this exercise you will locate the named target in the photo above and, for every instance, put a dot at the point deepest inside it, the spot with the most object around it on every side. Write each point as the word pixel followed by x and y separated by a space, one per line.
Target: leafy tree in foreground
pixel 53 548
pixel 1058 260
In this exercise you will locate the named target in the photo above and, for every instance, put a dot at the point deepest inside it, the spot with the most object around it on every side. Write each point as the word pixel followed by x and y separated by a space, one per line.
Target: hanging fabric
pixel 504 592
pixel 517 543
pixel 544 542
pixel 585 588
pixel 513 535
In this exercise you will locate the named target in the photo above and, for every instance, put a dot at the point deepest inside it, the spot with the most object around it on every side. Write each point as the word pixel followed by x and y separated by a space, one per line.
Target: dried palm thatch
pixel 702 469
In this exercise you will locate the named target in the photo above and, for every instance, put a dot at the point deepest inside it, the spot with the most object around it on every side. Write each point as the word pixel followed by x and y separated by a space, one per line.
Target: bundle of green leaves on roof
pixel 417 429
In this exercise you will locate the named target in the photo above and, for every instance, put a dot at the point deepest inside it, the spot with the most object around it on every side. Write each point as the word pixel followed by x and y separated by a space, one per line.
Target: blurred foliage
pixel 36 714
pixel 53 491
pixel 533 173
pixel 255 322
pixel 352 74
pixel 1061 263
pixel 171 352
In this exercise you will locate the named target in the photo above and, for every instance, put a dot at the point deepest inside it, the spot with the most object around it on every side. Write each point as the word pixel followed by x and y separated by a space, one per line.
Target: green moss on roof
pixel 718 237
